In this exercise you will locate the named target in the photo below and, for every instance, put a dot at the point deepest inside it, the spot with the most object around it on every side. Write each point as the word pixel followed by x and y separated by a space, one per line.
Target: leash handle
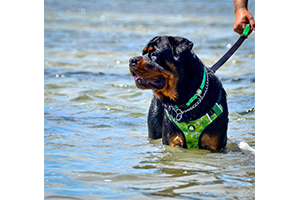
pixel 246 31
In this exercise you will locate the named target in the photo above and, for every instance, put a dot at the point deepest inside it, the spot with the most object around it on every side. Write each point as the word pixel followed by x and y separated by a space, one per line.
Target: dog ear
pixel 180 46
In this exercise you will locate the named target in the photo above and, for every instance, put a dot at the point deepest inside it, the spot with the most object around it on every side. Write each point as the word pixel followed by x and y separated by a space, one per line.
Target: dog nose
pixel 133 61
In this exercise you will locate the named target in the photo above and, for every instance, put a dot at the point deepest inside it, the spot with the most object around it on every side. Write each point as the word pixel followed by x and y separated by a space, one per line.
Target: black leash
pixel 231 51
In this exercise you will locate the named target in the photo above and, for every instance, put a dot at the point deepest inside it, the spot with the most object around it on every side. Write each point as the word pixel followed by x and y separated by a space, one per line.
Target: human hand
pixel 243 17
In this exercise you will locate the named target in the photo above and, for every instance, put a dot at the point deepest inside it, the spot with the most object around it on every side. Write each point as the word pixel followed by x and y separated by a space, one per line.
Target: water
pixel 96 144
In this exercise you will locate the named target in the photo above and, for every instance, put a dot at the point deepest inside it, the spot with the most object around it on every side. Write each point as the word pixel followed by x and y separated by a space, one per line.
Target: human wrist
pixel 241 5
pixel 241 11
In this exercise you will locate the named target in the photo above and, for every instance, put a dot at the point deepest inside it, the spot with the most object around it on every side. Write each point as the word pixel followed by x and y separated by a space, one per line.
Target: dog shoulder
pixel 155 118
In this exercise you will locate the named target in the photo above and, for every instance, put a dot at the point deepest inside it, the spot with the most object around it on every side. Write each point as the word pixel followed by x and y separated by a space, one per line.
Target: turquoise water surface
pixel 95 139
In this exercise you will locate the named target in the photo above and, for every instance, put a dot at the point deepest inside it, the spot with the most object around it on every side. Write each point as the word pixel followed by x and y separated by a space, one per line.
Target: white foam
pixel 245 147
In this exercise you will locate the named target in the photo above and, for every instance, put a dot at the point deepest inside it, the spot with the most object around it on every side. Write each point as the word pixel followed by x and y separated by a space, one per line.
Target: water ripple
pixel 95 122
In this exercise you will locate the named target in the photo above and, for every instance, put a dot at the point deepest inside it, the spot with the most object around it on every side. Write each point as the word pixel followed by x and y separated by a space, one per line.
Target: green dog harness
pixel 193 129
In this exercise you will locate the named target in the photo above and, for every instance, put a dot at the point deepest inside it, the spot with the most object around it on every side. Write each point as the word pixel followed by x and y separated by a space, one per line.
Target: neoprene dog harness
pixel 194 128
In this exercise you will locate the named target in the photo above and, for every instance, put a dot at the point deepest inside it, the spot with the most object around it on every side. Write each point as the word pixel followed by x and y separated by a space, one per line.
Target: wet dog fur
pixel 169 67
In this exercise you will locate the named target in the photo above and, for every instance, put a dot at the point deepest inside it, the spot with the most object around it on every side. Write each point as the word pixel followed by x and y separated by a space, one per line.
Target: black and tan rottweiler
pixel 189 107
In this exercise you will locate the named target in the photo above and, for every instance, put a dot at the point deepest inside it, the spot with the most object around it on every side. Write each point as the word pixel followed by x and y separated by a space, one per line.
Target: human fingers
pixel 252 23
pixel 238 28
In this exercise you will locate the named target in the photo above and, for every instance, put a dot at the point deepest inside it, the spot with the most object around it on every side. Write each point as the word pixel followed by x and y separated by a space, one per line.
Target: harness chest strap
pixel 193 129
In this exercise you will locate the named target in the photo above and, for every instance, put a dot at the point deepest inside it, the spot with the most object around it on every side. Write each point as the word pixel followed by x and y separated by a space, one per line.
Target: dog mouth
pixel 156 82
pixel 136 77
pixel 155 77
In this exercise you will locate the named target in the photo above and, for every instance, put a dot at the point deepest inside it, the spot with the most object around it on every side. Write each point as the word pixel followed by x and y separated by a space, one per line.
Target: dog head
pixel 159 66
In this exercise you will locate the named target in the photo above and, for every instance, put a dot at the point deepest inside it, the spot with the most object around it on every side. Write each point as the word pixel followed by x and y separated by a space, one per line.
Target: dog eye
pixel 153 55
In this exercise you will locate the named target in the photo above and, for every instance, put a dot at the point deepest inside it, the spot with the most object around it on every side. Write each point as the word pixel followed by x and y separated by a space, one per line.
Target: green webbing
pixel 199 91
pixel 246 30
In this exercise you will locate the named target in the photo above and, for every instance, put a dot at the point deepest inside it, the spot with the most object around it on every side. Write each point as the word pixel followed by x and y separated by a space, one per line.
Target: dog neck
pixel 190 79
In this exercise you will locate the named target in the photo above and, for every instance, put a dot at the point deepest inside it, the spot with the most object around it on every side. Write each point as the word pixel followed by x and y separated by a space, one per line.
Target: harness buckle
pixel 217 109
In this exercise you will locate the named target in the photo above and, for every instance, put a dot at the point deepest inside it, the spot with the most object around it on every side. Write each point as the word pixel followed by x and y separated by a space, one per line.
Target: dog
pixel 189 107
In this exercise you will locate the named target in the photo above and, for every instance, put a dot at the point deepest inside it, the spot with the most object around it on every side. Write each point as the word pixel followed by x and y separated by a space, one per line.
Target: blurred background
pixel 95 139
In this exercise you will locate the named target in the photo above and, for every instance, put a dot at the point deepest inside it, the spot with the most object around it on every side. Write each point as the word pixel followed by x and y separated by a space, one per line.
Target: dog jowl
pixel 189 107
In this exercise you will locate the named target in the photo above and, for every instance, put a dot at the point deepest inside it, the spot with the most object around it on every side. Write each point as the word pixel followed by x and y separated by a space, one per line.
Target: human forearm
pixel 240 4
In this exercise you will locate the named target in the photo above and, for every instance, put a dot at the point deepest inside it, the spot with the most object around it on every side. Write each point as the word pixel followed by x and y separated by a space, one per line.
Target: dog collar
pixel 200 90
pixel 200 93
pixel 193 129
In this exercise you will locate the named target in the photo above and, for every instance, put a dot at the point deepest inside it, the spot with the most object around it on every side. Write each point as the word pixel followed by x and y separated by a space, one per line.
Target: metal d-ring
pixel 178 115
